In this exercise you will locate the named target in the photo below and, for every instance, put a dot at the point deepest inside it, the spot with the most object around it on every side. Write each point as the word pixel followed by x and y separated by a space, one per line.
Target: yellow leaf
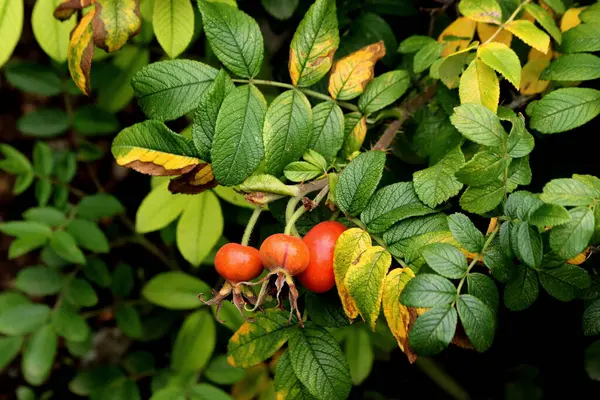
pixel 479 84
pixel 481 10
pixel 530 74
pixel 81 51
pixel 364 281
pixel 348 247
pixel 399 317
pixel 350 75
pixel 538 55
pixel 530 34
pixel 485 31
pixel 355 130
pixel 462 28
pixel 570 19
pixel 580 258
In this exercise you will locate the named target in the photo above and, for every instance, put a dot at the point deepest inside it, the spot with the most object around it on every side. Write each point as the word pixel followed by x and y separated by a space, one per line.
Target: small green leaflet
pixel 383 91
pixel 573 67
pixel 446 260
pixel 478 320
pixel 565 109
pixel 572 237
pixel 478 124
pixel 522 290
pixel 358 181
pixel 428 290
pixel 433 331
pixel 564 282
pixel 436 184
pixel 465 232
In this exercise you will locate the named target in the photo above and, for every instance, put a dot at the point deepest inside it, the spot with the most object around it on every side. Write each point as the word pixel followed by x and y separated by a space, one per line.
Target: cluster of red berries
pixel 310 259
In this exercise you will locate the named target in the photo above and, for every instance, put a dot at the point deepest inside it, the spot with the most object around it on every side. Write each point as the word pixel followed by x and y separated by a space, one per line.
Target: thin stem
pixel 300 211
pixel 307 92
pixel 487 243
pixel 508 21
pixel 250 226
pixel 441 378
pixel 289 212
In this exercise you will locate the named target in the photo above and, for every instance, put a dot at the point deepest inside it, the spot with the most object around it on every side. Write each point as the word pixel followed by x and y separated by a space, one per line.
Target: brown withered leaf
pixel 196 181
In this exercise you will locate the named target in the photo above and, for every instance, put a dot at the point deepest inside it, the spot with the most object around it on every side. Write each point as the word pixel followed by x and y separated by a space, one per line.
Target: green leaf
pixel 38 281
pixel 159 208
pixel 169 89
pixel 483 168
pixel 572 237
pixel 355 130
pixel 530 34
pixel 478 320
pixel 359 354
pixel 287 130
pixel 173 22
pixel 391 204
pixel 128 320
pixel 205 116
pixel 14 161
pixel 88 235
pixel 43 190
pixel 483 287
pixel 383 91
pixel 38 355
pixel 268 184
pixel 498 256
pixel 234 37
pixel 529 242
pixel 478 84
pixel 44 122
pixel 256 341
pixel 568 192
pixel 237 144
pixel 481 199
pixel 399 237
pixel 25 244
pixel 65 166
pixel 326 310
pixel 80 293
pixel 70 325
pixel 465 232
pixel 545 19
pixel 522 290
pixel 582 38
pixel 427 55
pixel 446 260
pixel 301 171
pixel 478 124
pixel 428 290
pixel 414 43
pixel 51 34
pixel 521 205
pixel 204 391
pixel 221 372
pixel 549 215
pixel 33 78
pixel 520 142
pixel 97 271
pixel 43 160
pixel 319 363
pixel 565 282
pixel 11 25
pixel 280 9
pixel 90 120
pixel 66 247
pixel 195 342
pixel 315 41
pixel 200 227
pixel 328 129
pixel 175 290
pixel 358 181
pixel 433 331
pixel 24 228
pixel 89 381
pixel 287 384
pixel 591 319
pixel 503 60
pixel 9 349
pixel 436 184
pixel 18 319
pixel 152 148
pixel 45 215
pixel 573 67
pixel 100 205
pixel 565 109
pixel 556 5
pixel 122 280
pixel 481 10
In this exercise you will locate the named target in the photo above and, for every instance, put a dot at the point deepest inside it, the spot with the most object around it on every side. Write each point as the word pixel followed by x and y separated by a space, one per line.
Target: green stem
pixel 441 378
pixel 250 226
pixel 508 21
pixel 307 92
pixel 290 225
pixel 289 212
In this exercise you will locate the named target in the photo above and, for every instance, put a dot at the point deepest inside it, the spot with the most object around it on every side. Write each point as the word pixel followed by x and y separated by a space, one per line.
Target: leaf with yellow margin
pixel 479 84
pixel 485 31
pixel 355 130
pixel 530 77
pixel 399 317
pixel 364 281
pixel 530 34
pixel 81 51
pixel 196 181
pixel 350 74
pixel 503 60
pixel 481 10
pixel 462 28
pixel 69 7
pixel 115 22
pixel 314 44
pixel 570 19
pixel 151 148
pixel 256 341
pixel 348 247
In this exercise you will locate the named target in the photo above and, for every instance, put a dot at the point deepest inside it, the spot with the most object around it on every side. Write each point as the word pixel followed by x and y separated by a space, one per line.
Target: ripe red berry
pixel 238 263
pixel 318 277
pixel 284 251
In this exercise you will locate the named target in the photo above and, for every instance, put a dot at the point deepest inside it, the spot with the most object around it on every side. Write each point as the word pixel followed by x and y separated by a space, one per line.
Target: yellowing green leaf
pixel 314 43
pixel 115 22
pixel 545 19
pixel 399 317
pixel 364 281
pixel 173 22
pixel 570 19
pixel 485 32
pixel 479 84
pixel 481 10
pixel 462 28
pixel 52 35
pixel 530 77
pixel 81 51
pixel 355 130
pixel 530 34
pixel 11 25
pixel 348 247
pixel 350 74
pixel 502 59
